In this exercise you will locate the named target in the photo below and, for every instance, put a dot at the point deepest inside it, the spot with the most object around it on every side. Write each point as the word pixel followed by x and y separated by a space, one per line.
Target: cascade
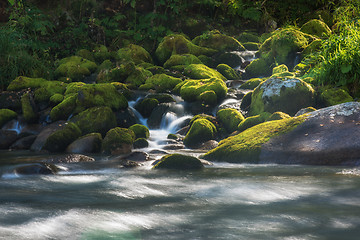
pixel 14 125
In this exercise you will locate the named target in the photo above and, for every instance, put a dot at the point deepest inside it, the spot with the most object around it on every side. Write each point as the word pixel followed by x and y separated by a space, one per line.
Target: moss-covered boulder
pixel 179 44
pixel 246 102
pixel 208 98
pixel 251 83
pixel 101 53
pixel 179 162
pixel 64 109
pixel 334 96
pixel 96 119
pixel 84 53
pixel 61 138
pixel 140 131
pixel 161 83
pixel 278 116
pixel 138 77
pixel 118 141
pixel 181 60
pixel 245 147
pixel 218 41
pixel 6 115
pixel 118 74
pixel 28 108
pixel 245 37
pixel 133 53
pixel 317 28
pixel 140 143
pixel 251 46
pixel 228 72
pixel 201 71
pixel 285 95
pixel 146 106
pixel 191 89
pixel 258 68
pixel 252 121
pixel 313 47
pixel 25 83
pixel 201 130
pixel 96 95
pixel 48 89
pixel 75 68
pixel 56 99
pixel 229 118
pixel 90 143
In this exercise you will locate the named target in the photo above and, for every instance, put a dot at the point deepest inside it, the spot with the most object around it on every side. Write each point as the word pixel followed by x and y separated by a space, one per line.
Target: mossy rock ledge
pixel 328 136
pixel 179 162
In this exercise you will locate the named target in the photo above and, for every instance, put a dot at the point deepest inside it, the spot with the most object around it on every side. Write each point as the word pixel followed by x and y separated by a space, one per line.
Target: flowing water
pixel 224 201
pixel 101 200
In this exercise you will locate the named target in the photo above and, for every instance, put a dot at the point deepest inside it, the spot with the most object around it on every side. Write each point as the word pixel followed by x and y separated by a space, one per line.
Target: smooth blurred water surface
pixel 224 201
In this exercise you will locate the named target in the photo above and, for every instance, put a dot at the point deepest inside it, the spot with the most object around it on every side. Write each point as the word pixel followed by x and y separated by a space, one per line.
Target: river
pixel 224 201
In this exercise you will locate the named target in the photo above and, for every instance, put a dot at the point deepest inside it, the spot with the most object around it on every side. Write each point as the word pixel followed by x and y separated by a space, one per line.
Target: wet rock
pixel 137 156
pixel 179 162
pixel 200 131
pixel 174 146
pixel 90 143
pixel 118 141
pixel 10 100
pixel 36 169
pixel 71 158
pixel 157 151
pixel 129 164
pixel 23 143
pixel 140 143
pixel 7 137
pixel 208 145
pixel 125 118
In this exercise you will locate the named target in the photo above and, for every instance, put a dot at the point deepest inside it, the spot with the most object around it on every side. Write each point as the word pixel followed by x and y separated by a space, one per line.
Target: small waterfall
pixel 141 119
pixel 14 125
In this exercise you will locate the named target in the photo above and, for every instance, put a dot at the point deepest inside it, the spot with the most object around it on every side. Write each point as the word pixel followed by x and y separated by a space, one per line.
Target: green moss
pixel 134 53
pixel 191 89
pixel 48 89
pixel 220 42
pixel 6 115
pixel 118 74
pixel 96 119
pixel 252 46
pixel 146 106
pixel 101 53
pixel 179 44
pixel 246 102
pixel 140 131
pixel 172 136
pixel 258 68
pixel 280 69
pixel 200 131
pixel 28 111
pixel 229 118
pixel 156 70
pixel 317 28
pixel 75 67
pixel 56 98
pixel 84 53
pixel 285 95
pixel 138 77
pixel 117 140
pixel 140 143
pixel 313 47
pixel 278 116
pixel 251 83
pixel 184 60
pixel 252 121
pixel 105 65
pixel 95 95
pixel 179 162
pixel 212 119
pixel 63 110
pixel 201 71
pixel 334 96
pixel 162 82
pixel 246 146
pixel 208 98
pixel 25 83
pixel 73 88
pixel 60 139
pixel 228 72
pixel 245 37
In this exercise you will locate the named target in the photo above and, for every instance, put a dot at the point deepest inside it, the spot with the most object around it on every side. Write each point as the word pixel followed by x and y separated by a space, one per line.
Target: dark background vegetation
pixel 36 33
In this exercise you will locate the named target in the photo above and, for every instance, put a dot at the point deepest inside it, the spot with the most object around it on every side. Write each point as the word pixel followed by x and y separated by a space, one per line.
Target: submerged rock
pixel 71 158
pixel 36 168
pixel 179 162
pixel 327 136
